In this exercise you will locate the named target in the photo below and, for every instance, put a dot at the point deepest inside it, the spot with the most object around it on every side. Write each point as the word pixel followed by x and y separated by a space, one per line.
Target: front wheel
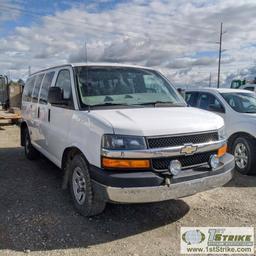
pixel 84 198
pixel 243 150
pixel 30 152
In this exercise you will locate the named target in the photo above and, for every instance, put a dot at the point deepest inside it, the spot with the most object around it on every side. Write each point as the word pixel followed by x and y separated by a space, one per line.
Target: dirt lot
pixel 37 217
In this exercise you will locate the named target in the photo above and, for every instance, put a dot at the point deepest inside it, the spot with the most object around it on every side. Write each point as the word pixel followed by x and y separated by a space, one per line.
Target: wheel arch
pixel 236 135
pixel 67 155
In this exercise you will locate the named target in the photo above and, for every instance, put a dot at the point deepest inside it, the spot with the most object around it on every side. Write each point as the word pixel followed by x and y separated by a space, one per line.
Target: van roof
pixel 92 64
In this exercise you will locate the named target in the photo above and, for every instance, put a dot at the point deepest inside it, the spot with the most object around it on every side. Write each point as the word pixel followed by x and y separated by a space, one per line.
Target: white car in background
pixel 238 109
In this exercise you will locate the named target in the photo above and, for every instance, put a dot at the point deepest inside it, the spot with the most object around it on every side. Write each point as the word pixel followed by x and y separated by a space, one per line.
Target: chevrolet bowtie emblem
pixel 188 149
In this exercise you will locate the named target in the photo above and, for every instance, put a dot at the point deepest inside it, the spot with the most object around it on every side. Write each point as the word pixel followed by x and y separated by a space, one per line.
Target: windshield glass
pixel 124 86
pixel 241 102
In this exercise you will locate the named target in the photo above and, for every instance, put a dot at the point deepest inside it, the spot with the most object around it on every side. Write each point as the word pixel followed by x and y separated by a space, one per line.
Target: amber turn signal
pixel 125 163
pixel 222 151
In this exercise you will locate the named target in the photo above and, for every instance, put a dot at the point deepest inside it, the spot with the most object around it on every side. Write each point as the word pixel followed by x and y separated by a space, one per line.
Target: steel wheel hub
pixel 79 185
pixel 241 155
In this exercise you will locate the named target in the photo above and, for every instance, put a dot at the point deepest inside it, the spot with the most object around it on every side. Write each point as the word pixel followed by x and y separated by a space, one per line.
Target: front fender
pixel 242 127
pixel 85 134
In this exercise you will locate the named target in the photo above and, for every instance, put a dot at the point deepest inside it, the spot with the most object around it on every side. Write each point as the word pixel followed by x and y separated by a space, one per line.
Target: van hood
pixel 159 121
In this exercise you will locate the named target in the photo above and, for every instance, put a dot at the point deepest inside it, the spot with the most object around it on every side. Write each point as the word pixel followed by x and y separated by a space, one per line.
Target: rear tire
pixel 244 150
pixel 30 152
pixel 84 198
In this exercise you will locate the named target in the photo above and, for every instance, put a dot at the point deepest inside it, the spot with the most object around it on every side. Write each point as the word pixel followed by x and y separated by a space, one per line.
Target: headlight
pixel 222 133
pixel 112 141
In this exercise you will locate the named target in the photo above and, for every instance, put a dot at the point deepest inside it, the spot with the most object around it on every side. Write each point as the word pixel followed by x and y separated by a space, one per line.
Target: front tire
pixel 84 198
pixel 243 150
pixel 30 152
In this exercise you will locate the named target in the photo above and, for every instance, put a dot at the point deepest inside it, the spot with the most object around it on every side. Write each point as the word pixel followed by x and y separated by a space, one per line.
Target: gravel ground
pixel 37 217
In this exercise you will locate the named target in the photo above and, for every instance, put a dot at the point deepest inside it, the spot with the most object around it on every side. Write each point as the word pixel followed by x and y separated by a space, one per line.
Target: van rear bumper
pixel 177 189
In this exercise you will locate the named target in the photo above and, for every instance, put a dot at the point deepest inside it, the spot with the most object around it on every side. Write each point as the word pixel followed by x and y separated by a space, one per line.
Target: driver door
pixel 60 116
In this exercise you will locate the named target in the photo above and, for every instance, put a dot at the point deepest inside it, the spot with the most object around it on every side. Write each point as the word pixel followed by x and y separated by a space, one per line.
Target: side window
pixel 43 99
pixel 191 98
pixel 208 101
pixel 26 89
pixel 64 82
pixel 203 101
pixel 27 93
pixel 37 86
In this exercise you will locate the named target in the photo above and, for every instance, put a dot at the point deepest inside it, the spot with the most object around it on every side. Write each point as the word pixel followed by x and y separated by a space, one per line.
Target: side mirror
pixel 55 96
pixel 216 108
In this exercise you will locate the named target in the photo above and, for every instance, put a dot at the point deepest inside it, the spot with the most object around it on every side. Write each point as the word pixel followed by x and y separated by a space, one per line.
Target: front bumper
pixel 189 183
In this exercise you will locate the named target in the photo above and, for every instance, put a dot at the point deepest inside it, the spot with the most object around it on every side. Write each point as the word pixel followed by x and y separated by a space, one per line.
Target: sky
pixel 177 37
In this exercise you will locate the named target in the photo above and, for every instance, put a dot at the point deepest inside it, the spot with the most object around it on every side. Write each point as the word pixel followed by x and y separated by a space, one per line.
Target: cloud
pixel 6 14
pixel 189 62
pixel 172 36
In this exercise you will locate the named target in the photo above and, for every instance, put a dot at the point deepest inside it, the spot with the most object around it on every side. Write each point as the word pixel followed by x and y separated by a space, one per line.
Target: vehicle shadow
pixel 35 214
pixel 240 180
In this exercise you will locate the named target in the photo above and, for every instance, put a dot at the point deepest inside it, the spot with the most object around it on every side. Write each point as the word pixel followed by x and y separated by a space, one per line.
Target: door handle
pixel 38 112
pixel 49 115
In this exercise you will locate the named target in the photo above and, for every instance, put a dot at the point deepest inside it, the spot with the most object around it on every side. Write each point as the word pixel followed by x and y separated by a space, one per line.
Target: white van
pixel 121 134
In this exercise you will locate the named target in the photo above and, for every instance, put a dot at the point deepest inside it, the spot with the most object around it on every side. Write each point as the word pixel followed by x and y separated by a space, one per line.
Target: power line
pixel 36 14
pixel 99 29
pixel 183 24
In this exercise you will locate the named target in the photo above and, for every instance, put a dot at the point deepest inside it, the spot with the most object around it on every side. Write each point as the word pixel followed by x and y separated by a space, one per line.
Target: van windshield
pixel 106 86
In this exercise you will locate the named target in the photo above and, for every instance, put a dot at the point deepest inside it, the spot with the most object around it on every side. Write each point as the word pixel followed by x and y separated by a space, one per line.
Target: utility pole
pixel 220 45
pixel 210 80
pixel 86 57
pixel 9 76
pixel 29 70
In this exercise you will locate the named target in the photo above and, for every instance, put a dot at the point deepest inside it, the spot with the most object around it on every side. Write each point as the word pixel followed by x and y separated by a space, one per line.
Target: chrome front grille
pixel 172 141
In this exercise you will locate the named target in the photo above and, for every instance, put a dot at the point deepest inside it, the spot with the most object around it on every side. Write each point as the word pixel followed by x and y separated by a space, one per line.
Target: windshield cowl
pixel 142 105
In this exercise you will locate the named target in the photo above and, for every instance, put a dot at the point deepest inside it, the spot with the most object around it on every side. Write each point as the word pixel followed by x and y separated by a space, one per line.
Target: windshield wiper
pixel 108 104
pixel 155 103
pixel 115 104
pixel 161 103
